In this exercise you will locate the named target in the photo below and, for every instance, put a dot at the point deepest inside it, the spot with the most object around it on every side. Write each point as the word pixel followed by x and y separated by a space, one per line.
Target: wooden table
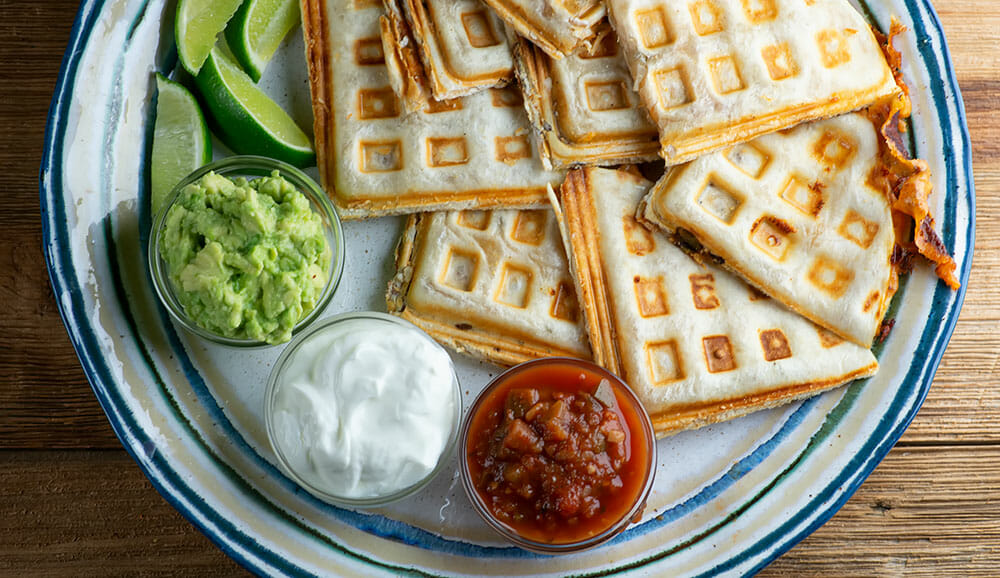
pixel 72 502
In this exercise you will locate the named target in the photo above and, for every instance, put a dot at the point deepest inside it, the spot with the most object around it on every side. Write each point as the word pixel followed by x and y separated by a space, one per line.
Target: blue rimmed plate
pixel 728 499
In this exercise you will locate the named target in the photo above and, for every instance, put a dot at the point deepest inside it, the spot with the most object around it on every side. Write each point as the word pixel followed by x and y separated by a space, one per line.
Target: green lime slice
pixel 181 141
pixel 257 30
pixel 196 27
pixel 245 118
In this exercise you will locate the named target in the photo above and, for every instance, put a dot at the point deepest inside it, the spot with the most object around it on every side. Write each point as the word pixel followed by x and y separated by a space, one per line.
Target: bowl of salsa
pixel 558 455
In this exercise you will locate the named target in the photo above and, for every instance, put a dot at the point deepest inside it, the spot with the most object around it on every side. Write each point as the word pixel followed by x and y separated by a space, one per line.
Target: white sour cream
pixel 364 408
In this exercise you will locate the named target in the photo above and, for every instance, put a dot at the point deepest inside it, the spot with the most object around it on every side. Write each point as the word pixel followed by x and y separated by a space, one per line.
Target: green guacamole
pixel 247 259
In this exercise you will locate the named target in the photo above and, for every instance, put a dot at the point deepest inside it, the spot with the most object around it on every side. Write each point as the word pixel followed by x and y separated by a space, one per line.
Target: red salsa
pixel 558 453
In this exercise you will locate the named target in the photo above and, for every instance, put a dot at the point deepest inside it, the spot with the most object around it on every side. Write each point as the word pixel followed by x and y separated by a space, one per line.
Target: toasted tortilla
pixel 695 343
pixel 714 73
pixel 493 285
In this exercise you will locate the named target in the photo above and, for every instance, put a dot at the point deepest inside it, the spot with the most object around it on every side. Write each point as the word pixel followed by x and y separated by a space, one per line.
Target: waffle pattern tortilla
pixel 375 160
pixel 713 73
pixel 462 45
pixel 556 26
pixel 798 215
pixel 492 284
pixel 694 342
pixel 583 107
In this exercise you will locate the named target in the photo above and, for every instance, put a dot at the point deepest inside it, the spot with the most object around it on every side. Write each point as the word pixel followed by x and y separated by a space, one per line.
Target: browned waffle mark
pixel 649 295
pixel 772 236
pixel 447 152
pixel 529 227
pixel 703 291
pixel 705 17
pixel 515 286
pixel 775 345
pixel 807 199
pixel 638 240
pixel 780 62
pixel 664 361
pixel 381 156
pixel 858 229
pixel 461 268
pixel 719 200
pixel 830 277
pixel 718 354
pixel 564 303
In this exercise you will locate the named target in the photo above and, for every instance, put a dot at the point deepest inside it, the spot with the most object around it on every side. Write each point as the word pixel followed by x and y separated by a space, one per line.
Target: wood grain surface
pixel 73 503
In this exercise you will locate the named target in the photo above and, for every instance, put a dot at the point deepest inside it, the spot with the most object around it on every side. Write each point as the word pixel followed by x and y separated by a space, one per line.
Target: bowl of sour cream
pixel 362 409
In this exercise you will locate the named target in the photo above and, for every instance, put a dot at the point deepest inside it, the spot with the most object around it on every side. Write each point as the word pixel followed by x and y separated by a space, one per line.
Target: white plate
pixel 728 499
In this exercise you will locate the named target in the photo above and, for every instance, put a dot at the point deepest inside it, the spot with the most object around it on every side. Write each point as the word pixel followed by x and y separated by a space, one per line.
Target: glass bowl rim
pixel 568 547
pixel 272 387
pixel 235 166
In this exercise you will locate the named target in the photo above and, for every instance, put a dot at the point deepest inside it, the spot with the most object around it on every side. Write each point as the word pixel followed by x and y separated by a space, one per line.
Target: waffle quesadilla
pixel 694 342
pixel 495 285
pixel 713 73
pixel 798 215
pixel 583 107
pixel 373 159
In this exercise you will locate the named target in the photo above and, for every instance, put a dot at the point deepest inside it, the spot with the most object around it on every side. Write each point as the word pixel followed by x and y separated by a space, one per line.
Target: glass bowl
pixel 277 380
pixel 249 167
pixel 541 373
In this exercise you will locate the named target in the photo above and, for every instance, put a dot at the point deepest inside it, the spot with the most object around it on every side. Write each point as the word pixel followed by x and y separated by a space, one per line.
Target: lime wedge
pixel 256 31
pixel 247 120
pixel 181 142
pixel 196 27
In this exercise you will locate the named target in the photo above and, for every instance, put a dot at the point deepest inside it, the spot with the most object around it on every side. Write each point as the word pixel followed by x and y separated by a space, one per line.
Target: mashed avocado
pixel 247 259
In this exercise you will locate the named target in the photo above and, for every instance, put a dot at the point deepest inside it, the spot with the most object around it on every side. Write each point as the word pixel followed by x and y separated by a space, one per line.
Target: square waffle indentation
pixel 529 227
pixel 718 354
pixel 719 200
pixel 759 11
pixel 828 338
pixel 808 199
pixel 368 52
pixel 833 48
pixel 654 28
pixel 829 276
pixel 703 291
pixel 725 74
pixel 381 156
pixel 461 268
pixel 673 87
pixel 664 361
pixel 515 286
pixel 447 151
pixel 564 303
pixel 478 220
pixel 705 17
pixel 775 345
pixel 858 229
pixel 606 46
pixel 772 236
pixel 609 95
pixel 834 149
pixel 435 106
pixel 638 240
pixel 376 103
pixel 749 158
pixel 510 149
pixel 780 62
pixel 479 30
pixel 650 297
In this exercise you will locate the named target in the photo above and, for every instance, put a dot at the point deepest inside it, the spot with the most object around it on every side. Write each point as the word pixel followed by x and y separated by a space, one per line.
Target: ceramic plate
pixel 728 499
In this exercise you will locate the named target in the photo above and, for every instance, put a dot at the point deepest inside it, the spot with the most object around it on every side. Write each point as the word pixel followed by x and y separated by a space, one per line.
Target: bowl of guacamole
pixel 246 252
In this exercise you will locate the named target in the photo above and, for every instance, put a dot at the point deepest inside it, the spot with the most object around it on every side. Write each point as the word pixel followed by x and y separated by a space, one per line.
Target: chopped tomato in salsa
pixel 553 455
